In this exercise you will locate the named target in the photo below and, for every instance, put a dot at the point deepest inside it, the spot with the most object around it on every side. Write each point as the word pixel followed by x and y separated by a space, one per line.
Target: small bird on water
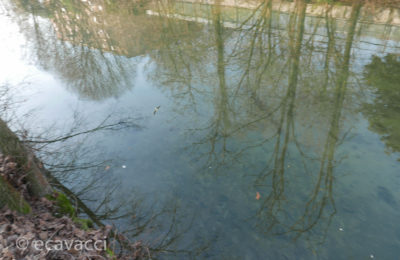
pixel 156 110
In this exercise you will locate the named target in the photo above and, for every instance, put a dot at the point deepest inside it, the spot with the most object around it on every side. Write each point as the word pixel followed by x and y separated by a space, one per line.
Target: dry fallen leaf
pixel 258 196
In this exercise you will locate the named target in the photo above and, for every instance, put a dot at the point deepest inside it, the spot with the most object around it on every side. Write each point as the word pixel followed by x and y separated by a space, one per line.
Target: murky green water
pixel 277 135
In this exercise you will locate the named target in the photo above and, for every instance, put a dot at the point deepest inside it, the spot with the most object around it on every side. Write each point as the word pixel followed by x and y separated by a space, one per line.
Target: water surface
pixel 277 135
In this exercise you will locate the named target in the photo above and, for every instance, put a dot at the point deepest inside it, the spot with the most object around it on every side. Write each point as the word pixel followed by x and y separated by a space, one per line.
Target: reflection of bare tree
pixel 85 180
pixel 77 165
pixel 270 68
pixel 330 31
pixel 271 207
pixel 94 74
pixel 260 29
pixel 221 122
pixel 266 61
pixel 180 57
pixel 321 197
pixel 8 103
pixel 218 127
pixel 159 230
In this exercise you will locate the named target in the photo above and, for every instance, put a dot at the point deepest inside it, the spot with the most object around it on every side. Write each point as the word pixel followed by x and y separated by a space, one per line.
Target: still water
pixel 217 129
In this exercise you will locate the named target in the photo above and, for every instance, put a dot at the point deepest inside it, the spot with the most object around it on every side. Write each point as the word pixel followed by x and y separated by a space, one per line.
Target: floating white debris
pixel 341 229
pixel 371 256
pixel 156 110
pixel 123 166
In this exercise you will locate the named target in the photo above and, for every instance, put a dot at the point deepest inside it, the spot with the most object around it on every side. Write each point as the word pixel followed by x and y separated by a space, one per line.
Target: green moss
pixel 110 253
pixel 64 207
pixel 85 224
pixel 63 204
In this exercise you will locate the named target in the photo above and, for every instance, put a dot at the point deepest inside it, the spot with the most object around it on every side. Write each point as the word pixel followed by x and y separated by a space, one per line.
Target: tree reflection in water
pixel 383 75
pixel 79 52
pixel 280 84
pixel 265 60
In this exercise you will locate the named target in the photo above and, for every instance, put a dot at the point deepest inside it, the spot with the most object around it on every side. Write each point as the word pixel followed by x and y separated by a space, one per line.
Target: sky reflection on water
pixel 297 103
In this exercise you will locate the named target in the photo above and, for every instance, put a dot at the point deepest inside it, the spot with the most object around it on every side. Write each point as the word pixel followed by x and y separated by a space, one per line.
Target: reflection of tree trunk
pixel 221 106
pixel 289 101
pixel 341 87
pixel 323 187
pixel 89 72
pixel 262 25
pixel 220 57
pixel 330 48
pixel 286 124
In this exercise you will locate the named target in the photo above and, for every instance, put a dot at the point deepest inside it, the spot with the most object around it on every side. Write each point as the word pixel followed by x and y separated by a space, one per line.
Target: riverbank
pixel 50 227
pixel 24 236
pixel 41 219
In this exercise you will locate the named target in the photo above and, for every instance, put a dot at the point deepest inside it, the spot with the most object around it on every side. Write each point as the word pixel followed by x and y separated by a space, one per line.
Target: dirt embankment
pixel 48 227
pixel 24 236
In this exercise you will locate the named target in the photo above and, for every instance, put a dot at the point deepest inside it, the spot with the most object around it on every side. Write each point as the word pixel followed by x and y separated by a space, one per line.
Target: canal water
pixel 217 129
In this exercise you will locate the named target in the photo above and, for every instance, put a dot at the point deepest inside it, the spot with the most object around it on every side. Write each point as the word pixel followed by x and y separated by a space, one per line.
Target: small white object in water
pixel 371 256
pixel 124 166
pixel 340 229
pixel 156 110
